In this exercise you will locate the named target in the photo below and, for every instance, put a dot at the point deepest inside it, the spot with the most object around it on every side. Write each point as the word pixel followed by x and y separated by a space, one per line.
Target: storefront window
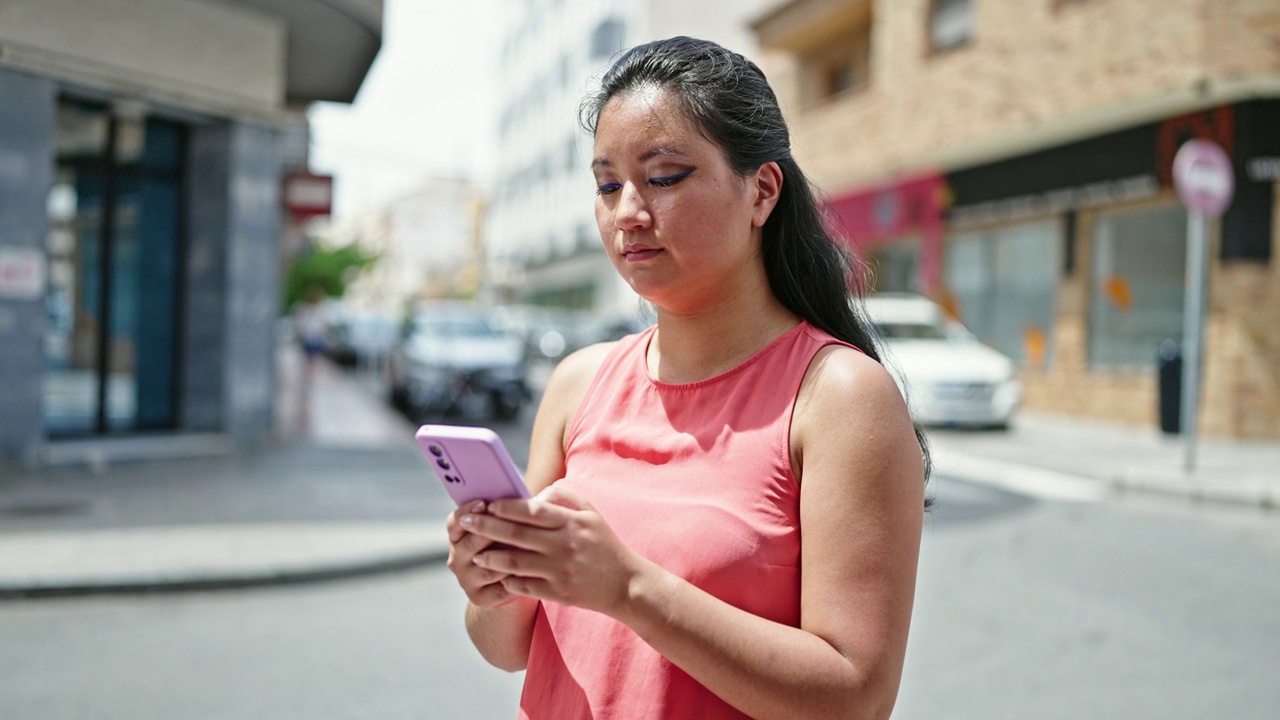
pixel 114 225
pixel 1004 281
pixel 1137 288
pixel 895 266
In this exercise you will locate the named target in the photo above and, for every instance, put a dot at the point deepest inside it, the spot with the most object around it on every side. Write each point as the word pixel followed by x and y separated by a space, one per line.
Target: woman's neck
pixel 696 346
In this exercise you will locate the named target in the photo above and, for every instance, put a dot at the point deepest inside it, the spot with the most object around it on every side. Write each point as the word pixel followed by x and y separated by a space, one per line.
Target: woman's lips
pixel 639 254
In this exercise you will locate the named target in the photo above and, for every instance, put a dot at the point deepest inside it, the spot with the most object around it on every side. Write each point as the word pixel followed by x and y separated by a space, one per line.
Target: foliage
pixel 324 271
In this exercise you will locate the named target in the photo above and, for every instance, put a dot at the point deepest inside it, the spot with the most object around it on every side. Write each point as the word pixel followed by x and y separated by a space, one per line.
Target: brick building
pixel 1012 158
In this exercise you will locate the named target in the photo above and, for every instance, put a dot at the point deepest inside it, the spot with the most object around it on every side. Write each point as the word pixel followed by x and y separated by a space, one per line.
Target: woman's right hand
pixel 483 587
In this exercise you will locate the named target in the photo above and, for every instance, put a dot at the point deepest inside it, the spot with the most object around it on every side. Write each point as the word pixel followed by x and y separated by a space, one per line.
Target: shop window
pixel 115 232
pixel 950 24
pixel 839 67
pixel 1137 287
pixel 895 266
pixel 1004 283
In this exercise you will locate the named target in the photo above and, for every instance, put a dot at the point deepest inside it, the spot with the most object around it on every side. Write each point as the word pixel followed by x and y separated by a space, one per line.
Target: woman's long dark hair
pixel 728 97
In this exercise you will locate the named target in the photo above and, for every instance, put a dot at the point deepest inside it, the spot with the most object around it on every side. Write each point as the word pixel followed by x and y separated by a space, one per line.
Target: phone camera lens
pixel 444 464
pixel 435 450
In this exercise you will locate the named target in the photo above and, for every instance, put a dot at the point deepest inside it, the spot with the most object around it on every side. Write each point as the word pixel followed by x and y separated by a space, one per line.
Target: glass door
pixel 115 224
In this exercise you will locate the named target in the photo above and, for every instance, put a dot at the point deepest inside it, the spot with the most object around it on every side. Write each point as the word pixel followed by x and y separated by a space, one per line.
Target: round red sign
pixel 1203 177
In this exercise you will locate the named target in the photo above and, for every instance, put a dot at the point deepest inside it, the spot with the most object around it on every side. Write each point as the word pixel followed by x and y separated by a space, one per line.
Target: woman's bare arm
pixel 501 624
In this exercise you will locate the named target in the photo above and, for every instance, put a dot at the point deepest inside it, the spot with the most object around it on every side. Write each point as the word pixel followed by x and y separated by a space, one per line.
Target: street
pixel 1026 608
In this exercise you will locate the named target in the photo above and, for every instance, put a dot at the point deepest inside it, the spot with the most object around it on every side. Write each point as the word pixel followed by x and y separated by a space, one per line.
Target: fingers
pixel 557 494
pixel 452 522
pixel 551 508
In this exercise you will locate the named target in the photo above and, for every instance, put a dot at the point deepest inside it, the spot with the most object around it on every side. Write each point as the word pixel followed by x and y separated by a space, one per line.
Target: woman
pixel 657 572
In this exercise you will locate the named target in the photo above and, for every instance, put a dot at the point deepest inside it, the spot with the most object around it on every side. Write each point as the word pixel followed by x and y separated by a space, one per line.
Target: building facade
pixel 1013 160
pixel 428 245
pixel 541 238
pixel 142 149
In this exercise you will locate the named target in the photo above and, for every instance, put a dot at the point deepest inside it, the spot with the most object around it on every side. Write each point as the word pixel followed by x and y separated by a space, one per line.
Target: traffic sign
pixel 1203 177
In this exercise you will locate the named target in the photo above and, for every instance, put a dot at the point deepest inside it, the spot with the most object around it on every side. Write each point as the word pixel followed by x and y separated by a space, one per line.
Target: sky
pixel 426 107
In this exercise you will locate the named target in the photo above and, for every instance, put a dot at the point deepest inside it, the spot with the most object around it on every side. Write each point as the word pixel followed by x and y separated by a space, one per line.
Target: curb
pixel 142 560
pixel 1048 484
pixel 195 582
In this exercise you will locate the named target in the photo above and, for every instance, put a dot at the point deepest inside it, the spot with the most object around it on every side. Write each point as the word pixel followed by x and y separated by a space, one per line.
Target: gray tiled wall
pixel 27 106
pixel 253 283
pixel 204 319
pixel 232 282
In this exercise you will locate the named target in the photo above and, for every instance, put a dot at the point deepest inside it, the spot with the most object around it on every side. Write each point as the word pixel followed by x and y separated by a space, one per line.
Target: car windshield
pixel 909 331
pixel 456 327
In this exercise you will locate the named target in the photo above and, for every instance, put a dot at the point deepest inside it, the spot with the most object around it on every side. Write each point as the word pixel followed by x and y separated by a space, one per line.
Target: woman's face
pixel 679 225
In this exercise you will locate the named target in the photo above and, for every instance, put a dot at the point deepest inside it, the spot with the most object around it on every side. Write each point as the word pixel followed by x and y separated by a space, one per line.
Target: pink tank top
pixel 697 478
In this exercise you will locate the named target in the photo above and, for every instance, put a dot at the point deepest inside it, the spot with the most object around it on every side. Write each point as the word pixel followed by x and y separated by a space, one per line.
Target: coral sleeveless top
pixel 696 477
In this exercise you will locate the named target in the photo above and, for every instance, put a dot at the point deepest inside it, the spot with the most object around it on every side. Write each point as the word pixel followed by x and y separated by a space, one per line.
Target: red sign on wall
pixel 307 195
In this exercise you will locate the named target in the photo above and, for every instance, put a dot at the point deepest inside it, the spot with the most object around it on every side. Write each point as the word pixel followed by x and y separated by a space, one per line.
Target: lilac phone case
pixel 472 463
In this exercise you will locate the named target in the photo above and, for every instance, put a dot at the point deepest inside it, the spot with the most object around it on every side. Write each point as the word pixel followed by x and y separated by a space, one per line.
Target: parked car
pixel 360 339
pixel 450 359
pixel 947 376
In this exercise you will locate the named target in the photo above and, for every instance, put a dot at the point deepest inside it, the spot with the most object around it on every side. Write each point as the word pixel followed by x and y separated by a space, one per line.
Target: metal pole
pixel 1193 332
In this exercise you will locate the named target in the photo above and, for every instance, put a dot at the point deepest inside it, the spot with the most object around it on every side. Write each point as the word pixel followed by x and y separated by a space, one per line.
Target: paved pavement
pixel 347 493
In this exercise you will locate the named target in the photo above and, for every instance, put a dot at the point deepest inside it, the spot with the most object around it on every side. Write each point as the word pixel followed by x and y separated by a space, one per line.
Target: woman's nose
pixel 631 212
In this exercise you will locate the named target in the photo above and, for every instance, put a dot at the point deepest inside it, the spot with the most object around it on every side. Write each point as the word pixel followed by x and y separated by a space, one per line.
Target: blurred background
pixel 247 245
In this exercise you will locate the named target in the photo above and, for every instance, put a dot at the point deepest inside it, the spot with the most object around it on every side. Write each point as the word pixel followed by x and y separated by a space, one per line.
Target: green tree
pixel 327 270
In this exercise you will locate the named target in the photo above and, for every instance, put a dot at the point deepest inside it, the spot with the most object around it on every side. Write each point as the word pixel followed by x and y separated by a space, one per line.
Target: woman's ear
pixel 767 183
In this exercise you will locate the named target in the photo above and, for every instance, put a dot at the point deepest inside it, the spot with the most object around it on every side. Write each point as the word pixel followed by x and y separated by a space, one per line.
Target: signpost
pixel 1205 182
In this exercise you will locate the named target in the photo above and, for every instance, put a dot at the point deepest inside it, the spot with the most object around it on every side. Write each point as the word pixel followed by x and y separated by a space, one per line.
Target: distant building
pixel 542 243
pixel 428 245
pixel 1013 160
pixel 143 148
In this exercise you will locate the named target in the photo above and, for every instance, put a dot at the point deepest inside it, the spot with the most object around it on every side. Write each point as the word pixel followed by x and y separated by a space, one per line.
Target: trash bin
pixel 1169 370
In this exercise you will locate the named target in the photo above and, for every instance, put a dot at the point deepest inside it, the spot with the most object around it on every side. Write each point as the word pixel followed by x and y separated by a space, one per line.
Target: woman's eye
pixel 608 188
pixel 669 180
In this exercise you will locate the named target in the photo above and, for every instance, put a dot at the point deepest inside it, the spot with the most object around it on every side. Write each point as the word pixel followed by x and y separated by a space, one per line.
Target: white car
pixel 451 360
pixel 947 376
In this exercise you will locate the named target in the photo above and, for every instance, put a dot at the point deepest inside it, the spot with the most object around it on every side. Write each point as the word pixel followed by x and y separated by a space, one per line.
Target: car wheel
pixel 505 408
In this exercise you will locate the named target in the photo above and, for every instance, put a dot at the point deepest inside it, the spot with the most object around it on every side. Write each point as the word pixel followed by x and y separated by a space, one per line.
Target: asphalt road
pixel 1025 608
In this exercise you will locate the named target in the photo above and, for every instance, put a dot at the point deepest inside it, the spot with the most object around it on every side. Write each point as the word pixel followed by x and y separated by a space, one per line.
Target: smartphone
pixel 471 462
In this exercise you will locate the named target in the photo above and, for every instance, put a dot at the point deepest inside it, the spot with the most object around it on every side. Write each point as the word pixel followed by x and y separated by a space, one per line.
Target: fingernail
pixel 468 520
pixel 478 507
pixel 481 560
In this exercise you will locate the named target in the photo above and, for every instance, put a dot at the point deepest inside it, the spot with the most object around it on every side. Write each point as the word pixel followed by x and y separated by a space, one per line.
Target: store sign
pixel 21 273
pixel 1060 200
pixel 307 195
pixel 1264 169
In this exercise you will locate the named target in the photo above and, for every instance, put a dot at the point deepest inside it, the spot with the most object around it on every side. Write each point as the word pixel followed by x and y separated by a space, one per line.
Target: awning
pixel 332 45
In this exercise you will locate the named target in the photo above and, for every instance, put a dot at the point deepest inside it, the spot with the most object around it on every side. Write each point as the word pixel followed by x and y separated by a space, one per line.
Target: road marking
pixel 1020 479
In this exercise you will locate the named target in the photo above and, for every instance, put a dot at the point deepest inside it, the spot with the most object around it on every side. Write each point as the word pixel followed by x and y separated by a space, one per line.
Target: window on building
pixel 606 39
pixel 895 266
pixel 114 243
pixel 1137 287
pixel 950 24
pixel 838 67
pixel 1004 282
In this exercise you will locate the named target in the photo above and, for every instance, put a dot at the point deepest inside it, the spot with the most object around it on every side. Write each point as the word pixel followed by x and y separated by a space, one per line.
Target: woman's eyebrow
pixel 650 154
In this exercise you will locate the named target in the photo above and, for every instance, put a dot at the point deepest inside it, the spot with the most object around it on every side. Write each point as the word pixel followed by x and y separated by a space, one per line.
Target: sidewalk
pixel 345 494
pixel 349 493
pixel 1073 459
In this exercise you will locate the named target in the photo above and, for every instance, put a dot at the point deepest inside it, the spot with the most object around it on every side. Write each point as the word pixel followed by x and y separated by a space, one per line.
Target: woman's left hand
pixel 560 549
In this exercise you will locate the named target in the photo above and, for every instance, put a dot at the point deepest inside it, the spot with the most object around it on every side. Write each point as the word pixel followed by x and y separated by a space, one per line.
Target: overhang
pixel 331 45
pixel 799 25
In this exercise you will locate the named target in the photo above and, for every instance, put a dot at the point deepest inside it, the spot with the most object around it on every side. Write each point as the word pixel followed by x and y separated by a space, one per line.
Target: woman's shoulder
pixel 843 382
pixel 572 377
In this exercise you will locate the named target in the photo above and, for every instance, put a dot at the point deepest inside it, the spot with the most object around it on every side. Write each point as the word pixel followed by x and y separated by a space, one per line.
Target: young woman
pixel 728 506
